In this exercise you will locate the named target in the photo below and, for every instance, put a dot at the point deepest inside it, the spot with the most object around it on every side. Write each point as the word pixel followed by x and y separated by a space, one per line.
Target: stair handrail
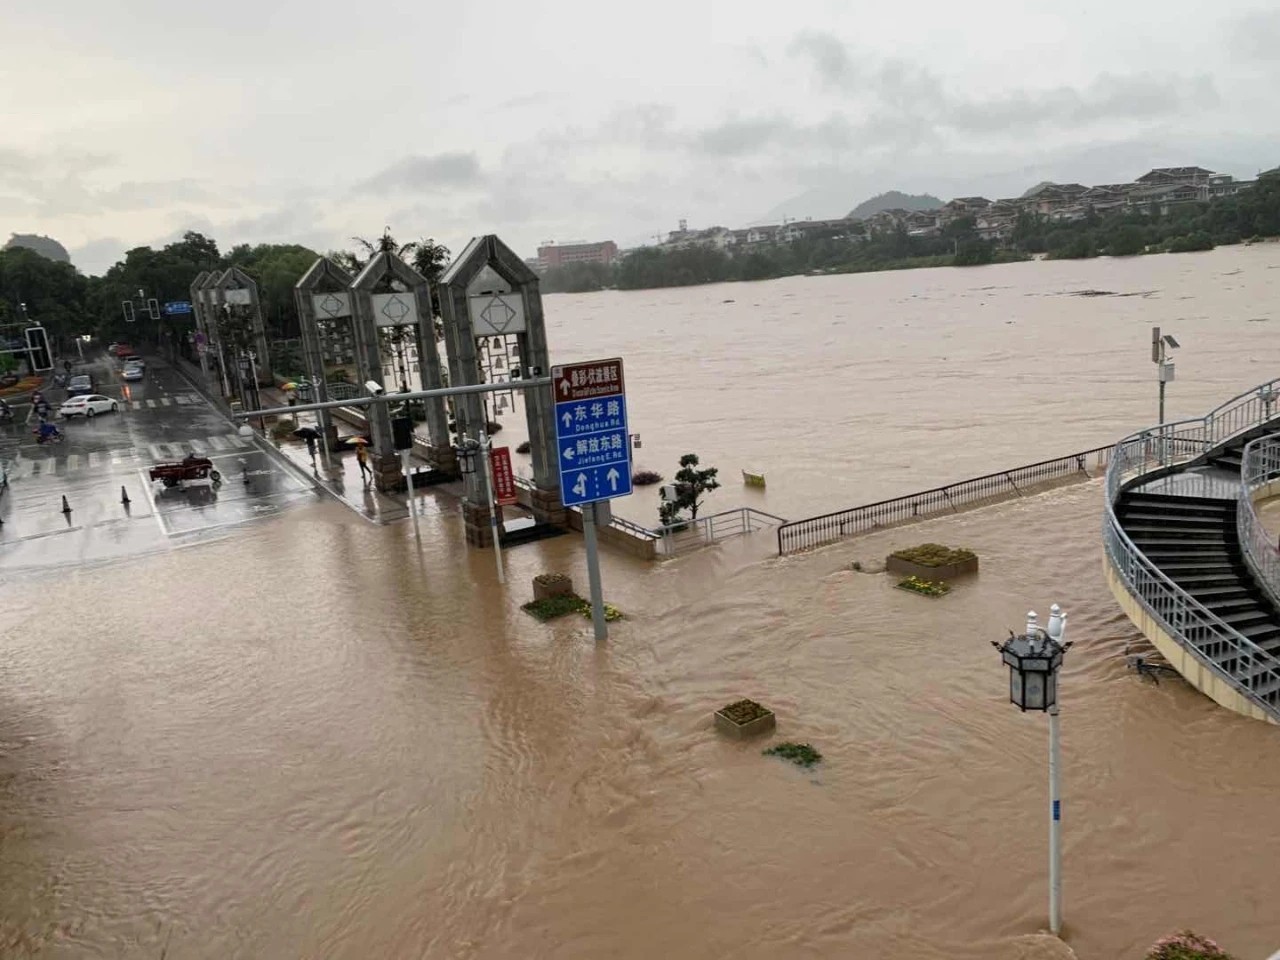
pixel 1259 473
pixel 1184 618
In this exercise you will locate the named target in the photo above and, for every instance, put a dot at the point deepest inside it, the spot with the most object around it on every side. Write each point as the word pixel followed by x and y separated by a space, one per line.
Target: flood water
pixel 312 740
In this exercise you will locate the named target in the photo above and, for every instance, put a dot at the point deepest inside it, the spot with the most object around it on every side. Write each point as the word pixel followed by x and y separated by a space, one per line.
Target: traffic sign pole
pixel 593 571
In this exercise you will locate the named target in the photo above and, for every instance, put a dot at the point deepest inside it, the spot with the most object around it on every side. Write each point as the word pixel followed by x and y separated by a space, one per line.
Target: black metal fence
pixel 831 527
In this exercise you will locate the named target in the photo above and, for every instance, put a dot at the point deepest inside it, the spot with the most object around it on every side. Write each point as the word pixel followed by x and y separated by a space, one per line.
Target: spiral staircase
pixel 1187 556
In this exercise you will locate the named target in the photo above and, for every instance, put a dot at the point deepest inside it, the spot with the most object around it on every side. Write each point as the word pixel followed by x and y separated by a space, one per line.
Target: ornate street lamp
pixel 1034 659
pixel 466 452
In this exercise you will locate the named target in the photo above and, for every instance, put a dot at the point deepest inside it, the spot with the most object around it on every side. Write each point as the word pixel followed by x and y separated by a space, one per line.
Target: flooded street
pixel 309 739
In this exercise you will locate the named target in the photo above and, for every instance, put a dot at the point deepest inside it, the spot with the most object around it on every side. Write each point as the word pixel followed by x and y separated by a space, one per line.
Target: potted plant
pixel 932 562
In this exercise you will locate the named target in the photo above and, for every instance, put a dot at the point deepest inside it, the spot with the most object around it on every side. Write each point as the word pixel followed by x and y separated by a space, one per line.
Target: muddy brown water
pixel 312 740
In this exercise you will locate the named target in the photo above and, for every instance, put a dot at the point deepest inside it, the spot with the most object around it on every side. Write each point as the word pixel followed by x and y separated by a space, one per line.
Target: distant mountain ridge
pixel 47 247
pixel 894 200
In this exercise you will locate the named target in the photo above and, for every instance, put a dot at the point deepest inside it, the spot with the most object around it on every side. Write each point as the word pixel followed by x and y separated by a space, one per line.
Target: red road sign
pixel 585 381
pixel 504 481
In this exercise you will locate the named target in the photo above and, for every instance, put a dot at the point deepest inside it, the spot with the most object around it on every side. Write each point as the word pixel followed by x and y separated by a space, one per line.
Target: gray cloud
pixel 896 87
pixel 419 173
pixel 1255 36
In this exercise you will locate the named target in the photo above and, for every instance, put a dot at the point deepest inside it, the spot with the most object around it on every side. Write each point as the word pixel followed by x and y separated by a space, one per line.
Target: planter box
pixel 543 591
pixel 909 568
pixel 741 731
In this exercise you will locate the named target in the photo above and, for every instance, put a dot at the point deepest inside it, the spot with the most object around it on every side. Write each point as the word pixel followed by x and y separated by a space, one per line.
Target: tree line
pixel 1254 212
pixel 68 304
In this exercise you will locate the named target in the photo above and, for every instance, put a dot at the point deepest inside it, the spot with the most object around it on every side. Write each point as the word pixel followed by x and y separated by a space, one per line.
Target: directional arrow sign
pixel 591 431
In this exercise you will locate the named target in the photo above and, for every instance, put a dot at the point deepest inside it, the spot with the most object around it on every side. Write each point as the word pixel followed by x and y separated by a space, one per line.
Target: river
pixel 312 740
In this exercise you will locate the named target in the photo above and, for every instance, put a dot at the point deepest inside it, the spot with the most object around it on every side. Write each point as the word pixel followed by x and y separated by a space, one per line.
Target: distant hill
pixel 894 200
pixel 47 247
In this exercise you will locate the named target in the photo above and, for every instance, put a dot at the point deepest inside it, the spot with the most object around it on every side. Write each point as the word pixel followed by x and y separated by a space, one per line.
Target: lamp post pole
pixel 1034 660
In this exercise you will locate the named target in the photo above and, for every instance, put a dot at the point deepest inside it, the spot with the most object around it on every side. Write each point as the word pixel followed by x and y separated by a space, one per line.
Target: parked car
pixel 79 384
pixel 134 371
pixel 127 358
pixel 88 405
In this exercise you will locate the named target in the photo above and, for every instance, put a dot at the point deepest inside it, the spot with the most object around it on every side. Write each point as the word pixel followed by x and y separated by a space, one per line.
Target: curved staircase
pixel 1187 557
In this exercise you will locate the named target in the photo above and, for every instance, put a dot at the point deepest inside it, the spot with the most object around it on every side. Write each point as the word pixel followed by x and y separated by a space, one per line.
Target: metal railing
pixel 620 523
pixel 1252 671
pixel 833 527
pixel 686 535
pixel 1259 468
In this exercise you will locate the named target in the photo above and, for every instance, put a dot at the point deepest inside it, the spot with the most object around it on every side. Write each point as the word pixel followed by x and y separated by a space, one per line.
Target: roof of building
pixel 1160 172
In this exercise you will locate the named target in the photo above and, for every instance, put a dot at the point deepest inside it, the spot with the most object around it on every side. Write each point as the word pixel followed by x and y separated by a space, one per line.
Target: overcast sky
pixel 127 123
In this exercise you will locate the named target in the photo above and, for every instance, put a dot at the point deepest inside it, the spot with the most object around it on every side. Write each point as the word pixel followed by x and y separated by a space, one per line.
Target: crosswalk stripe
pixel 136 405
pixel 151 404
pixel 238 440
pixel 72 462
pixel 218 443
pixel 165 401
pixel 95 459
pixel 182 398
pixel 157 452
pixel 197 446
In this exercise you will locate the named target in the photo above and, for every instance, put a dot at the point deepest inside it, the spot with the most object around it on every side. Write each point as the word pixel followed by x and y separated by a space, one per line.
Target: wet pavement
pixel 103 460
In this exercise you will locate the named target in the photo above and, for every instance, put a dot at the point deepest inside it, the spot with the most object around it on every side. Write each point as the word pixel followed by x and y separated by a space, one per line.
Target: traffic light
pixel 129 316
pixel 153 308
pixel 39 356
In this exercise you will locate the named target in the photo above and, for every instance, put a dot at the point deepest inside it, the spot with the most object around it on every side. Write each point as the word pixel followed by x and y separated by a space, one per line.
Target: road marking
pixel 198 446
pixel 95 459
pixel 121 454
pixel 239 441
pixel 72 463
pixel 160 451
pixel 218 443
pixel 165 401
pixel 136 405
pixel 182 398
pixel 151 404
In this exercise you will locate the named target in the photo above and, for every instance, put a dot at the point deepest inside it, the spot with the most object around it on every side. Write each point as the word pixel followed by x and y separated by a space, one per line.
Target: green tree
pixel 691 484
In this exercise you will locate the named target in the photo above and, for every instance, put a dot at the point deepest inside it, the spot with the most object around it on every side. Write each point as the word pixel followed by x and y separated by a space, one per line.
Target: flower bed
pixel 927 588
pixel 25 385
pixel 558 605
pixel 1186 946
pixel 932 561
pixel 744 718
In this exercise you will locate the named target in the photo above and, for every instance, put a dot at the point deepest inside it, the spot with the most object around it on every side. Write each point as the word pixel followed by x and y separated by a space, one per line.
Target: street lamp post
pixel 1160 357
pixel 1034 659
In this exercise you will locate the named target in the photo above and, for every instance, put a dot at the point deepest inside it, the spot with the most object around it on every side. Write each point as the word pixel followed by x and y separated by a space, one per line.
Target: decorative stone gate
pixel 488 292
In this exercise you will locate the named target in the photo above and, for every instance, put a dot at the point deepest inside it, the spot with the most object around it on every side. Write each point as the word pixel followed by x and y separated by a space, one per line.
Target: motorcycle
pixel 6 412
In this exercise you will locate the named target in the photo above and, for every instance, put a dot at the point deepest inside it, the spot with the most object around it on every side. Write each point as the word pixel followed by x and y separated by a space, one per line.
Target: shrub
pixel 643 478
pixel 1186 946
pixel 283 428
pixel 929 588
pixel 934 555
pixel 801 754
pixel 524 447
pixel 493 426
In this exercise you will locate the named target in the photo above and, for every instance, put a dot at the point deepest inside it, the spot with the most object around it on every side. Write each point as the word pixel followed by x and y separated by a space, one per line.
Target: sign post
pixel 494 525
pixel 593 451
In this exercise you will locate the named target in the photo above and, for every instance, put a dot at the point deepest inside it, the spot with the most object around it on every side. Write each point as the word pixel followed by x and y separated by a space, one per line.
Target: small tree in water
pixel 690 483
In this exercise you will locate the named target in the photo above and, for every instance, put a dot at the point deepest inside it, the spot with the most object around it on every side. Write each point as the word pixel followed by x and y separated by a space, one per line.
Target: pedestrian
pixel 311 448
pixel 362 458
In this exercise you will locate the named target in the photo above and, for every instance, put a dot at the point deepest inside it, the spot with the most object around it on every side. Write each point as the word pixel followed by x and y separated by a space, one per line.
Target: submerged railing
pixel 1252 671
pixel 1259 473
pixel 833 527
pixel 678 538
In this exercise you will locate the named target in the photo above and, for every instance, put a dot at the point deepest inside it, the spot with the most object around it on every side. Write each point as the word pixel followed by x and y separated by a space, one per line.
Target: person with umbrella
pixel 308 434
pixel 362 458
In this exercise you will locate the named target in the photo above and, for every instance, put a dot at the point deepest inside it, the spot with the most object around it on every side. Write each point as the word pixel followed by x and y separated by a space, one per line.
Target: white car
pixel 88 405
pixel 134 371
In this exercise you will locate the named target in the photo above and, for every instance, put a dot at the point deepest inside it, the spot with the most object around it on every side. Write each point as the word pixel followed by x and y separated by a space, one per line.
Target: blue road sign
pixel 591 432
pixel 177 306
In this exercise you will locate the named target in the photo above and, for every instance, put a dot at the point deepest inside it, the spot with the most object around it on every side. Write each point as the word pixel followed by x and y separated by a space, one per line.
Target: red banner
pixel 504 481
